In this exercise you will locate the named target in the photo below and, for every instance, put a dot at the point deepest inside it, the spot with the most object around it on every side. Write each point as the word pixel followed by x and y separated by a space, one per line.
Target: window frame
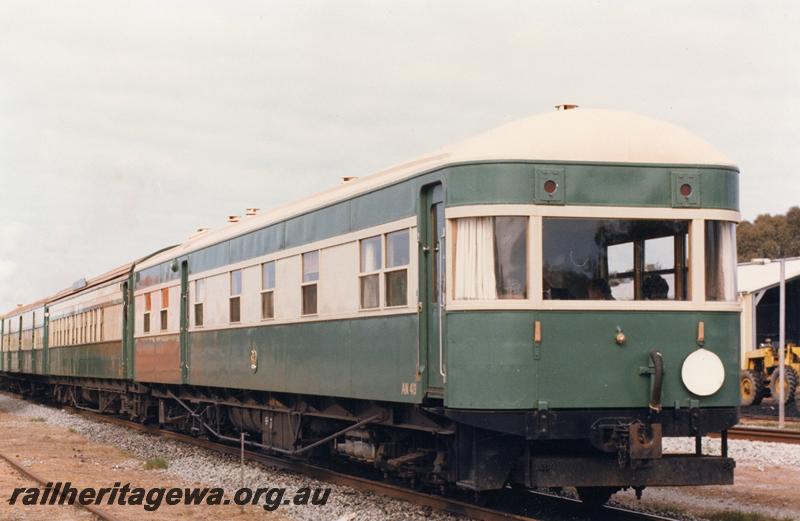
pixel 383 271
pixel 695 285
pixel 237 297
pixel 148 309
pixel 198 303
pixel 371 273
pixel 164 311
pixel 308 284
pixel 268 291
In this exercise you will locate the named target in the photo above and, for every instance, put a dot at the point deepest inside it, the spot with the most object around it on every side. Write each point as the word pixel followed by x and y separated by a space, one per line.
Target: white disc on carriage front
pixel 703 372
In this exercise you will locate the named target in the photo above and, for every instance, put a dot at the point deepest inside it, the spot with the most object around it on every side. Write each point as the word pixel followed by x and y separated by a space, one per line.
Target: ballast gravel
pixel 214 469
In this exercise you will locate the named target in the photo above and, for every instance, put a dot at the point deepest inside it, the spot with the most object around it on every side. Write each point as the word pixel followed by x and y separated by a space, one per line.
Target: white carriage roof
pixel 576 135
pixel 755 276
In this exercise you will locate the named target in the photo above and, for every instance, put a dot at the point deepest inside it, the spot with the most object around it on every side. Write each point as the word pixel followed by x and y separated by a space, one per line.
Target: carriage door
pixel 432 264
pixel 184 322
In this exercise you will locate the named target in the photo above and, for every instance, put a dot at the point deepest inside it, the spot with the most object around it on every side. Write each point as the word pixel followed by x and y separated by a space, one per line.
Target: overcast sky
pixel 126 125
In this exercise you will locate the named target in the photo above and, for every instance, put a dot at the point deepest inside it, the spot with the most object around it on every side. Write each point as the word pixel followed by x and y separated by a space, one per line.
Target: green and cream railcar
pixel 539 305
pixel 85 328
pixel 23 340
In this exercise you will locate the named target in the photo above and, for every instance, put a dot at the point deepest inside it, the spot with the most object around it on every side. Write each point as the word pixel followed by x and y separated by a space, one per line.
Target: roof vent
pixel 348 178
pixel 566 106
pixel 251 211
pixel 234 218
pixel 198 232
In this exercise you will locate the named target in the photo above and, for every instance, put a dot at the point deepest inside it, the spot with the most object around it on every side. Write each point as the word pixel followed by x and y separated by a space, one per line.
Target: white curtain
pixel 474 270
pixel 727 264
pixel 371 251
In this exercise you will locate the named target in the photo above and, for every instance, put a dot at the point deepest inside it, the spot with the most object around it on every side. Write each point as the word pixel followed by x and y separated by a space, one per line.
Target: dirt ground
pixel 56 454
pixel 771 491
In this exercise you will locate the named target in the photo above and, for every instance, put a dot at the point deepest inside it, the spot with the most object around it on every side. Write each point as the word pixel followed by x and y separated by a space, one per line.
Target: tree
pixel 770 236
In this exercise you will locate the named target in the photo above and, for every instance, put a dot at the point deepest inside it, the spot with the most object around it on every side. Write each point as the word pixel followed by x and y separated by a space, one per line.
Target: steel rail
pixel 441 503
pixel 767 417
pixel 764 434
pixel 102 514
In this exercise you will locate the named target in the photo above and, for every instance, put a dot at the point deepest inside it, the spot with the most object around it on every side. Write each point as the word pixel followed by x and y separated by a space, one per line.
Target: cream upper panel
pixel 95 297
pixel 338 284
pixel 288 275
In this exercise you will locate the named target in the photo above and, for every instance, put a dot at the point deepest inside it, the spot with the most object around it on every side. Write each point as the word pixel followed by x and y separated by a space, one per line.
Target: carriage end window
pixel 720 261
pixel 491 258
pixel 615 259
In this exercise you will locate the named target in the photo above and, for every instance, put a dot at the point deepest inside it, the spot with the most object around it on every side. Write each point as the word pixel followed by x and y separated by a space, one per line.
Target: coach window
pixel 267 290
pixel 235 302
pixel 310 279
pixel 397 258
pixel 164 307
pixel 370 266
pixel 491 256
pixel 199 300
pixel 615 259
pixel 720 261
pixel 148 306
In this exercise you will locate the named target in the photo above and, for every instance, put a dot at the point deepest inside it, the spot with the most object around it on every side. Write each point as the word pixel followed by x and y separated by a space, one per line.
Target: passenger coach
pixel 538 305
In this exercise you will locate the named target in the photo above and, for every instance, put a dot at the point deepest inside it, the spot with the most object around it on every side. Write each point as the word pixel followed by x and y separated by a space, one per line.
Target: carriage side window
pixel 720 261
pixel 164 308
pixel 370 266
pixel 199 300
pixel 614 259
pixel 148 306
pixel 235 300
pixel 268 290
pixel 397 259
pixel 491 258
pixel 310 279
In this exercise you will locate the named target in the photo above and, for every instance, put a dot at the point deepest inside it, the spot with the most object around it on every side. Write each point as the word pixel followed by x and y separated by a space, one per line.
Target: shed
pixel 758 283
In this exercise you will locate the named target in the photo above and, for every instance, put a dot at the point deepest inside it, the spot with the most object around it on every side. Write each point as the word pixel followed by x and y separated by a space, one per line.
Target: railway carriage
pixel 537 306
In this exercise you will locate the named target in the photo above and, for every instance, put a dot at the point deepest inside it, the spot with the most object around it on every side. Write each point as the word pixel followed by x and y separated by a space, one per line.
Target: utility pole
pixel 782 346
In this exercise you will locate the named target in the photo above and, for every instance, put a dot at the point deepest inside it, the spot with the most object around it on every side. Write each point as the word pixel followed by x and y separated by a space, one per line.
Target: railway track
pixel 764 434
pixel 98 512
pixel 558 507
pixel 768 417
pixel 572 508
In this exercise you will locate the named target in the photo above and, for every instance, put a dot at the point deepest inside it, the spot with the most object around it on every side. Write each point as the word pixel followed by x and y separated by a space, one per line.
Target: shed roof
pixel 755 276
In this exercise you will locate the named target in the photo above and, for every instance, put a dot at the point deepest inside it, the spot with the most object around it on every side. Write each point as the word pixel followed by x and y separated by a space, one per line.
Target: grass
pixel 733 515
pixel 38 419
pixel 711 515
pixel 155 464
